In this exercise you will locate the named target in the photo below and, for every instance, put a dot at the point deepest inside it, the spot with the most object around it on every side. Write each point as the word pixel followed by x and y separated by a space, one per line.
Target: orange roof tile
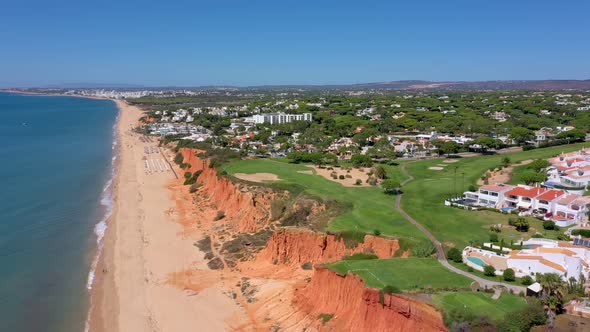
pixel 522 191
pixel 550 195
pixel 496 188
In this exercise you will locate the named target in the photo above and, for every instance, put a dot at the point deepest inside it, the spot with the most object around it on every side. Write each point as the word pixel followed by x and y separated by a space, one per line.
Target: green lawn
pixel 404 273
pixel 480 304
pixel 424 197
pixel 370 210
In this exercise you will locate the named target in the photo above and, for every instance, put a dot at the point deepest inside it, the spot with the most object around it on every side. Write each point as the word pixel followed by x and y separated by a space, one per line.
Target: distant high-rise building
pixel 278 118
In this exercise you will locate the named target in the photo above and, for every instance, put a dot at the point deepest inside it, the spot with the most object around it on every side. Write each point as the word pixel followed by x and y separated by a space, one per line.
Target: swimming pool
pixel 506 209
pixel 476 260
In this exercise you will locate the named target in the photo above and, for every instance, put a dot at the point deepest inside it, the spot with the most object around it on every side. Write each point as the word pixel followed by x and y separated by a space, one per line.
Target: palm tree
pixel 551 295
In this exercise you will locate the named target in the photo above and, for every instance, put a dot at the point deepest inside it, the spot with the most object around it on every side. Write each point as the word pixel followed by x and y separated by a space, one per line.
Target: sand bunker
pixel 450 161
pixel 257 177
pixel 350 177
pixel 502 176
pixel 310 172
pixel 442 165
pixel 436 168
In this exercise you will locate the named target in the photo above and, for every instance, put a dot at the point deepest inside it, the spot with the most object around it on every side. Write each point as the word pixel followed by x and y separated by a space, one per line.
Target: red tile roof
pixel 522 191
pixel 550 195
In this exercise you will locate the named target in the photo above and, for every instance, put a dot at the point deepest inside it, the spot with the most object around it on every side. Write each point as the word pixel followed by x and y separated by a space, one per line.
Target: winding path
pixel 440 252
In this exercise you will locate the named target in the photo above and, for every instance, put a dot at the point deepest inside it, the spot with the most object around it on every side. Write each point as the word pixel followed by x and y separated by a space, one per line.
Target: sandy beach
pixel 144 247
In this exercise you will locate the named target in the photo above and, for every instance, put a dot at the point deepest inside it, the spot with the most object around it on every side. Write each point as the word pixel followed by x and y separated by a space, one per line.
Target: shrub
pixel 526 280
pixel 455 255
pixel 358 182
pixel 325 317
pixel 493 237
pixel 489 271
pixel 583 232
pixel 341 177
pixel 508 275
pixel 307 266
pixel 348 176
pixel 178 159
pixel 389 289
pixel 472 188
pixel 376 232
pixel 187 175
pixel 423 249
pixel 548 225
pixel 360 256
pixel 220 215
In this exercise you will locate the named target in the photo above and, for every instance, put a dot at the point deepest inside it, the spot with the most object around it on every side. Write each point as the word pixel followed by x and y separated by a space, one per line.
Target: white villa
pixel 570 169
pixel 564 208
pixel 568 259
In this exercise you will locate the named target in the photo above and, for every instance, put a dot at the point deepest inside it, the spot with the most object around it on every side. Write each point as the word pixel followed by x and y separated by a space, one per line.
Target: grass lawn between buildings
pixel 479 304
pixel 424 197
pixel 371 209
pixel 403 273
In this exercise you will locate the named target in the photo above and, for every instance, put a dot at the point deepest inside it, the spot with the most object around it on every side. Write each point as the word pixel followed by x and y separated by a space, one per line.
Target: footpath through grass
pixel 370 208
pixel 424 197
pixel 403 273
pixel 480 304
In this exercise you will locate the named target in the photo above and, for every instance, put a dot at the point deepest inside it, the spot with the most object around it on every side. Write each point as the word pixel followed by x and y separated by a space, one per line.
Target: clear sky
pixel 249 42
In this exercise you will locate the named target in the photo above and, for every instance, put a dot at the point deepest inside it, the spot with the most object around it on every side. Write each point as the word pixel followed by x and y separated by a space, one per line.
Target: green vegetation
pixel 489 271
pixel 508 275
pixel 403 273
pixel 325 317
pixel 423 198
pixel 366 209
pixel 479 304
pixel 359 256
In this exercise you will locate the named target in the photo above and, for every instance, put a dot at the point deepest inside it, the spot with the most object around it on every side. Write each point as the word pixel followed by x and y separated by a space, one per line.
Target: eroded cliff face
pixel 298 246
pixel 358 308
pixel 250 209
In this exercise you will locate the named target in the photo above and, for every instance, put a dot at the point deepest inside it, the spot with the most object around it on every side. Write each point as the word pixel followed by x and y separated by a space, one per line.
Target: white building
pixel 279 118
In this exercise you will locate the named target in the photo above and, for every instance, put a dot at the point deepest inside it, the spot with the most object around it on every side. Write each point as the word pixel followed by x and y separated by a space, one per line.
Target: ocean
pixel 56 166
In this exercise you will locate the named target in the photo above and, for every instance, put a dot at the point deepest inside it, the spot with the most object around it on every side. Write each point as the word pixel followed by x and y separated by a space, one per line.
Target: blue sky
pixel 215 42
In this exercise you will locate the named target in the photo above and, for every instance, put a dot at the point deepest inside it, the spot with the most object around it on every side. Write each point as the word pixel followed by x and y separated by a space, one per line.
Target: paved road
pixel 440 252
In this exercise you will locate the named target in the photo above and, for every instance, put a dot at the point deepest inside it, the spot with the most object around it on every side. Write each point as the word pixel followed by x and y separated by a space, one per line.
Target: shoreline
pixel 145 248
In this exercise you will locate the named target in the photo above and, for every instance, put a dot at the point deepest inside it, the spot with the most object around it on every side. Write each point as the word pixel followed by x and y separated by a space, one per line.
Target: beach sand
pixel 143 247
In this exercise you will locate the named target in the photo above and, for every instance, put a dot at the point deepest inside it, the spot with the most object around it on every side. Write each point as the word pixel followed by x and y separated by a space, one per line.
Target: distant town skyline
pixel 290 42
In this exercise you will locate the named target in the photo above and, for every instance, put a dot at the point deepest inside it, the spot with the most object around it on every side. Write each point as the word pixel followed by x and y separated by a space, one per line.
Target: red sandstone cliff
pixel 249 208
pixel 357 308
pixel 297 246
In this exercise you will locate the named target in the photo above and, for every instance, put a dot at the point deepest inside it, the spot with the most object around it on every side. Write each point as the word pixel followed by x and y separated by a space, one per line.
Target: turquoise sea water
pixel 55 170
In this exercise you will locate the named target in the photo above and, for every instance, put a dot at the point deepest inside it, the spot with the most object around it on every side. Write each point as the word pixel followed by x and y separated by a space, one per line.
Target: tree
pixel 521 224
pixel 449 147
pixel 178 159
pixel 539 165
pixel 551 295
pixel 574 135
pixel 530 177
pixel 379 172
pixel 527 280
pixel 455 255
pixel 521 134
pixel 506 161
pixel 508 275
pixel 549 225
pixel 489 271
pixel 391 186
pixel 361 160
pixel 487 142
